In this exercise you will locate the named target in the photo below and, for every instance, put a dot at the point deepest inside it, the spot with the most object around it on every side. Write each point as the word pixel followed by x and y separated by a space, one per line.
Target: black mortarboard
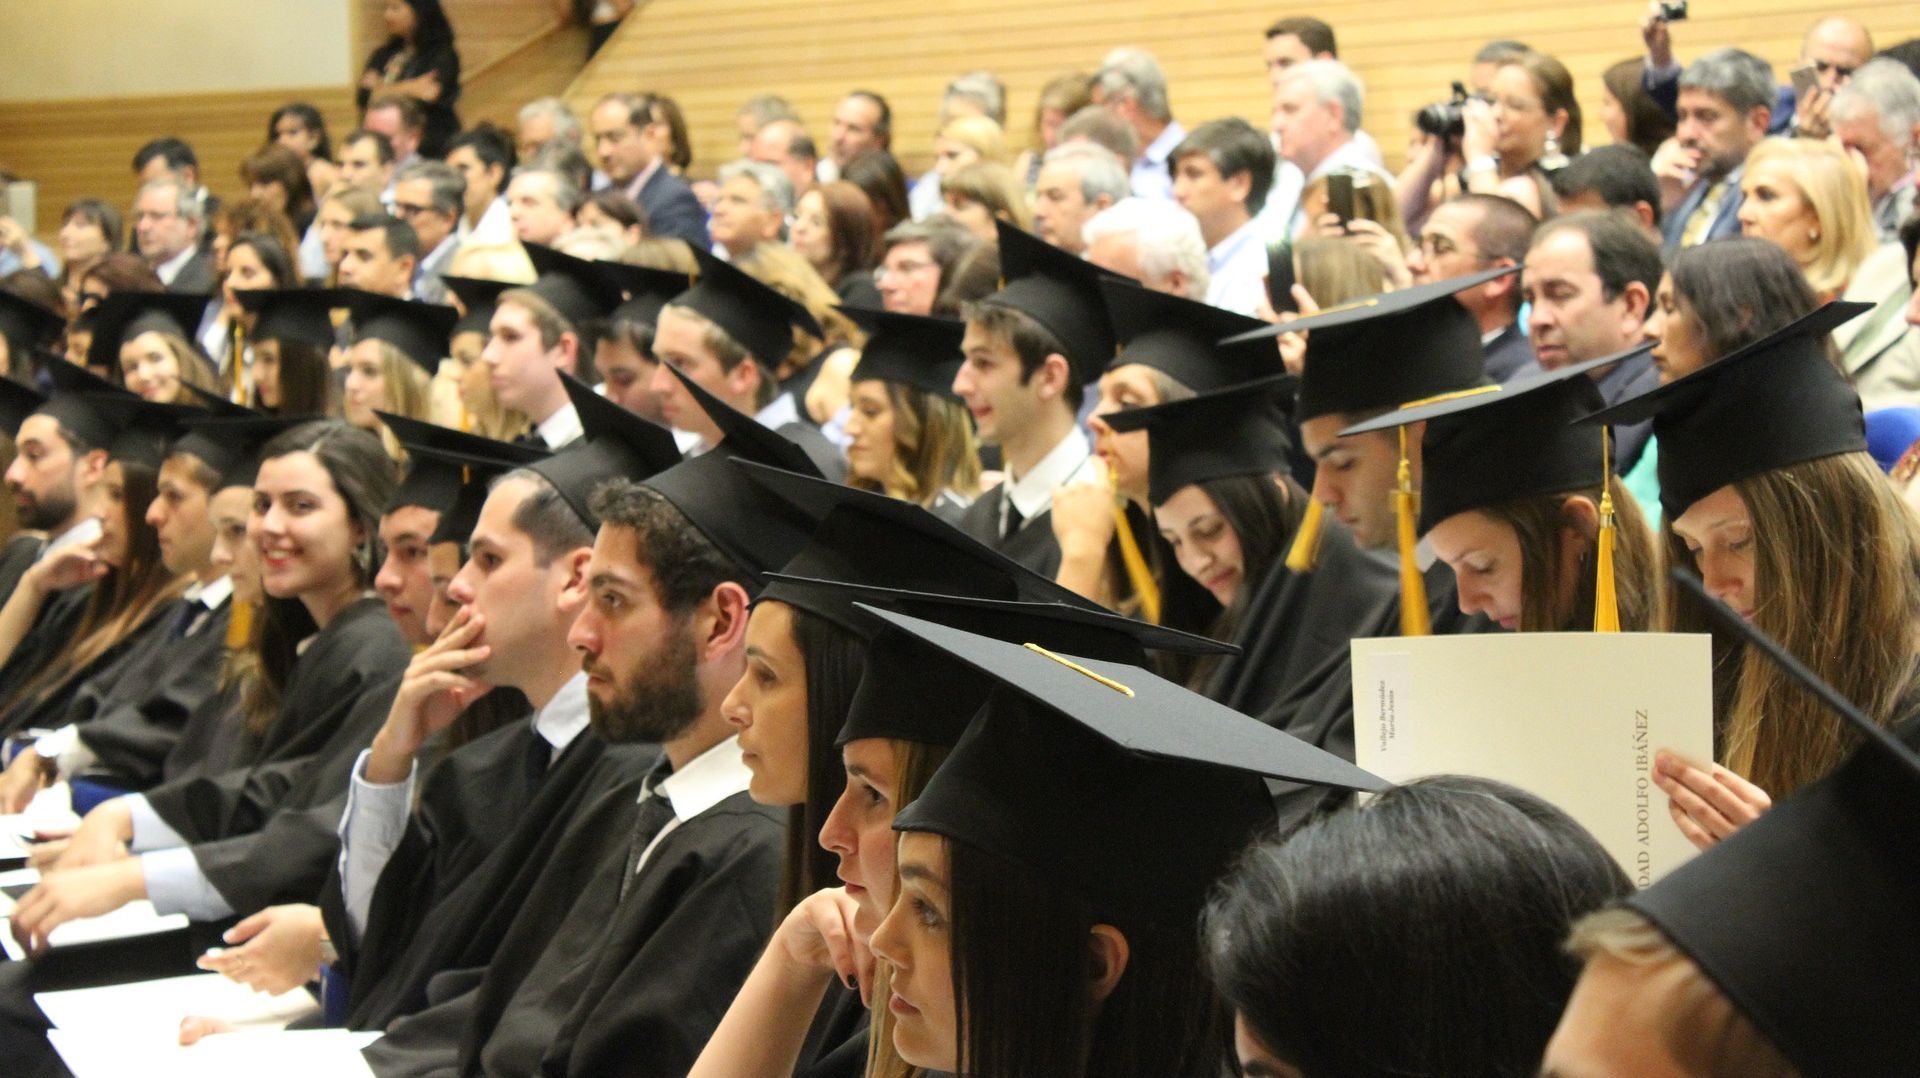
pixel 230 444
pixel 647 290
pixel 860 537
pixel 614 444
pixel 77 392
pixel 25 324
pixel 479 460
pixel 17 402
pixel 121 316
pixel 300 315
pixel 755 315
pixel 909 349
pixel 1490 445
pixel 1775 402
pixel 1180 338
pixel 143 430
pixel 580 290
pixel 477 297
pixel 419 330
pixel 1808 918
pixel 1061 292
pixel 434 478
pixel 1239 430
pixel 218 404
pixel 1386 350
pixel 1122 785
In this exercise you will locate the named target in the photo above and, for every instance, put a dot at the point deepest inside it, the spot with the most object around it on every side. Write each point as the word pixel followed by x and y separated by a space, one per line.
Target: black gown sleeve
pixel 132 720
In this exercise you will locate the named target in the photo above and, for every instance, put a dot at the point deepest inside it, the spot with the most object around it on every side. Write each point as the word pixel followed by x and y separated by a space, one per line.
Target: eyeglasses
pixel 1836 70
pixel 903 269
pixel 409 209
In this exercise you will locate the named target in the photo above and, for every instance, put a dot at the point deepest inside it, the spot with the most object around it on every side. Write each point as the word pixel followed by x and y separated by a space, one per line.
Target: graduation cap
pixel 614 444
pixel 860 537
pixel 121 316
pixel 1238 430
pixel 419 330
pixel 25 324
pixel 143 429
pixel 1776 402
pixel 440 458
pixel 1496 443
pixel 1124 786
pixel 1061 292
pixel 1179 338
pixel 1387 349
pixel 754 314
pixel 1808 918
pixel 230 443
pixel 580 290
pixel 301 315
pixel 647 290
pixel 889 704
pixel 75 403
pixel 477 298
pixel 17 402
pixel 909 349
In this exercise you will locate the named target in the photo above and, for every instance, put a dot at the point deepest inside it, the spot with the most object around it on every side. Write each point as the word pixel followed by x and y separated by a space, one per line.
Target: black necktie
pixel 190 609
pixel 1014 520
pixel 656 812
pixel 539 756
pixel 531 438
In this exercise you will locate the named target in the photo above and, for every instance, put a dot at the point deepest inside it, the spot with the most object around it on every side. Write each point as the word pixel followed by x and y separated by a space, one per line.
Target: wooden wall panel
pixel 713 54
pixel 484 30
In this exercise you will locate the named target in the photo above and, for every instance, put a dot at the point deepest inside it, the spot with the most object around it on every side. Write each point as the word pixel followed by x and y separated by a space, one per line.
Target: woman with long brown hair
pixel 834 228
pixel 909 436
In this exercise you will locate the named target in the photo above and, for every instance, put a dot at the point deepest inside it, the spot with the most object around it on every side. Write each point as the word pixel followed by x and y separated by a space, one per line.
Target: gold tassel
pixel 1144 586
pixel 238 363
pixel 1305 551
pixel 1606 604
pixel 1414 617
pixel 239 625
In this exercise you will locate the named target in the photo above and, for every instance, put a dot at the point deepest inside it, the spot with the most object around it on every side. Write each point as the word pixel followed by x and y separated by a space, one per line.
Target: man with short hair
pixel 1725 105
pixel 379 254
pixel 167 217
pixel 54 463
pixel 1615 177
pixel 1077 180
pixel 172 158
pixel 1317 112
pixel 1590 279
pixel 484 159
pixel 1473 232
pixel 431 196
pixel 626 139
pixel 862 121
pixel 1834 46
pixel 916 257
pixel 785 145
pixel 1877 115
pixel 403 120
pixel 541 203
pixel 536 333
pixel 1295 40
pixel 1221 173
pixel 545 120
pixel 754 204
pixel 366 161
pixel 1152 241
pixel 1131 85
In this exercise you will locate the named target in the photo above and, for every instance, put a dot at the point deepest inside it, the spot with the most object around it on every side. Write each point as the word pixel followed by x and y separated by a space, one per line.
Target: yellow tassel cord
pixel 237 364
pixel 1414 619
pixel 1606 605
pixel 239 625
pixel 1304 554
pixel 1144 586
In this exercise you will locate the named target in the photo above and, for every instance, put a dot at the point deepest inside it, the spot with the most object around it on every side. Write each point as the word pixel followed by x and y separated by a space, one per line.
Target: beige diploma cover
pixel 1574 718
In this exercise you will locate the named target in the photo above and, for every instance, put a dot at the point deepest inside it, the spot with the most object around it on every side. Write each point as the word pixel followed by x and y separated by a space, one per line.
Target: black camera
pixel 1445 118
pixel 1673 10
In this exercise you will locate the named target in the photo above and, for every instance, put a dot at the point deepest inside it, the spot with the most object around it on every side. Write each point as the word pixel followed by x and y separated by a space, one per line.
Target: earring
pixel 1813 234
pixel 1551 158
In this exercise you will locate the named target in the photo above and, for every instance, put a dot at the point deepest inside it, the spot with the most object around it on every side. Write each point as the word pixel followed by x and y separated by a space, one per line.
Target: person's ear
pixel 1107 955
pixel 1644 211
pixel 92 467
pixel 722 624
pixel 573 591
pixel 566 352
pixel 1580 515
pixel 1240 185
pixel 1639 304
pixel 1052 376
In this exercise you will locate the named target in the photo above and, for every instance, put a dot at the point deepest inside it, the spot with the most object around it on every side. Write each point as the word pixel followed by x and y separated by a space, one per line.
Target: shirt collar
pixel 1032 493
pixel 708 779
pixel 214 594
pixel 560 428
pixel 638 183
pixel 171 268
pixel 1162 145
pixel 778 413
pixel 1224 252
pixel 565 715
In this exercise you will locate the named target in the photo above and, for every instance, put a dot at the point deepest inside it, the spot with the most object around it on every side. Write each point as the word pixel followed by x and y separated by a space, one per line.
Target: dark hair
pixel 99 213
pixel 1648 125
pixel 1504 231
pixel 306 379
pixel 878 173
pixel 1019 952
pixel 883 127
pixel 1419 934
pixel 252 215
pixel 402 241
pixel 309 117
pixel 1500 51
pixel 834 659
pixel 545 517
pixel 1622 251
pixel 490 144
pixel 1234 147
pixel 854 241
pixel 947 241
pixel 1740 289
pixel 1030 341
pixel 431 30
pixel 975 276
pixel 274 163
pixel 1317 36
pixel 382 145
pixel 685 565
pixel 273 257
pixel 124 271
pixel 360 469
pixel 177 154
pixel 666 110
pixel 616 205
pixel 1620 174
pixel 1264 512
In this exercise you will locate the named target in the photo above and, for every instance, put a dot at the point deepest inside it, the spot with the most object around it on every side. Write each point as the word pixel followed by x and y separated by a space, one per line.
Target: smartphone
pixel 1280 278
pixel 1673 10
pixel 1340 196
pixel 1805 79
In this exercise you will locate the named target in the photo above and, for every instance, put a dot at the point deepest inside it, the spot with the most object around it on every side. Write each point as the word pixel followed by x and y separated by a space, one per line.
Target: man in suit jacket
pixel 166 224
pixel 631 140
pixel 1726 103
pixel 1474 232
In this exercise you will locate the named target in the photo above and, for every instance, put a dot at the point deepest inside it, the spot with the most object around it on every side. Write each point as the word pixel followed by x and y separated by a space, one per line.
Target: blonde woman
pixel 398 345
pixel 982 194
pixel 1810 200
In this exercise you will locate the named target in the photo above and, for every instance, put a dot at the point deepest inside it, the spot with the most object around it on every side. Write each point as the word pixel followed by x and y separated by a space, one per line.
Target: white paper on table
pixel 1574 718
pixel 322 1052
pixel 51 810
pixel 150 1011
pixel 131 921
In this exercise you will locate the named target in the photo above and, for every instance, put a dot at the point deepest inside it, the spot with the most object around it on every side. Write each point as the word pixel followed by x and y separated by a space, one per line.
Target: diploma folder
pixel 1574 718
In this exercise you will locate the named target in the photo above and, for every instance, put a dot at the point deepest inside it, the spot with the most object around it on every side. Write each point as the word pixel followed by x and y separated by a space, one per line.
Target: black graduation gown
pixel 213 739
pixel 46 709
pixel 823 453
pixel 16 558
pixel 1032 546
pixel 131 715
pixel 836 1045
pixel 52 627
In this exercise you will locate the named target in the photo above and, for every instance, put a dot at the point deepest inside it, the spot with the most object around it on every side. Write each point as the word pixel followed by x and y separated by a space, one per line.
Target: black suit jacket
pixel 196 277
pixel 672 210
pixel 1508 354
